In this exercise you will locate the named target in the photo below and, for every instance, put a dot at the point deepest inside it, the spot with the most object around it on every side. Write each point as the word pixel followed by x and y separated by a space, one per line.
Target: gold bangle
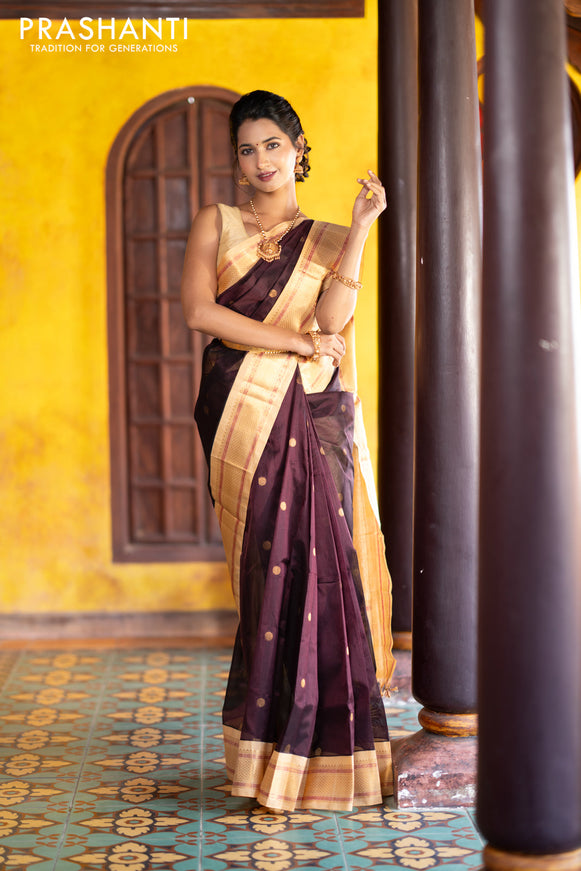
pixel 316 338
pixel 348 282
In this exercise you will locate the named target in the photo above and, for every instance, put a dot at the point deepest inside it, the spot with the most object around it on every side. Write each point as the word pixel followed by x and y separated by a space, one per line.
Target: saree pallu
pixel 303 717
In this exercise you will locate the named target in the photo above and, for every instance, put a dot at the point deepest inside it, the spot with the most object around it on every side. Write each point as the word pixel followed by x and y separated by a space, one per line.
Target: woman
pixel 304 724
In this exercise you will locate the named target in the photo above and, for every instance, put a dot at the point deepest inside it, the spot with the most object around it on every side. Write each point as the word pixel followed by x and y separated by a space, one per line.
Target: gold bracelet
pixel 316 337
pixel 348 282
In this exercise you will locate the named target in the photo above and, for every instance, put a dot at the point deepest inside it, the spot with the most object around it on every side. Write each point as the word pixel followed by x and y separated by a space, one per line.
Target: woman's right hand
pixel 332 345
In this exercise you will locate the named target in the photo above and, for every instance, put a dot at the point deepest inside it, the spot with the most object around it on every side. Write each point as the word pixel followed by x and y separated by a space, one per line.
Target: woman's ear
pixel 300 145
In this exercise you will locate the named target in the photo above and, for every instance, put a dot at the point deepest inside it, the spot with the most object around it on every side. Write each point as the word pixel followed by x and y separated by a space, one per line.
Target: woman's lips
pixel 266 176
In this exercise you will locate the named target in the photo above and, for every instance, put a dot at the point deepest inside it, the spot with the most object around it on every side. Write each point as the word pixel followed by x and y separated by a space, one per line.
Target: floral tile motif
pixel 66 660
pixel 58 677
pixel 270 855
pixel 35 739
pixel 142 762
pixel 133 823
pixel 146 738
pixel 149 715
pixel 403 821
pixel 128 856
pixel 50 696
pixel 265 822
pixel 157 659
pixel 41 717
pixel 25 764
pixel 413 852
pixel 151 695
pixel 154 676
pixel 139 790
pixel 15 792
pixel 17 857
pixel 15 823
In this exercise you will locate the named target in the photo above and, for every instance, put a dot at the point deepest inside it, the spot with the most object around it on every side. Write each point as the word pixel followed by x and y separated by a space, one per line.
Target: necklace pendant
pixel 269 250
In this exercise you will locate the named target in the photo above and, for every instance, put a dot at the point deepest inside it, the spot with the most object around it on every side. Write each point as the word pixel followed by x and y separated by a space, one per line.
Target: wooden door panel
pixel 144 391
pixel 182 453
pixel 147 513
pixel 143 326
pixel 166 164
pixel 140 267
pixel 181 390
pixel 142 154
pixel 146 453
pixel 179 338
pixel 183 513
pixel 178 209
pixel 141 199
pixel 174 130
pixel 175 252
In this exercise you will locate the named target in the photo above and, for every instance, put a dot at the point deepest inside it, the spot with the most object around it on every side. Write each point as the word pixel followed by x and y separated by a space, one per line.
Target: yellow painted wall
pixel 59 114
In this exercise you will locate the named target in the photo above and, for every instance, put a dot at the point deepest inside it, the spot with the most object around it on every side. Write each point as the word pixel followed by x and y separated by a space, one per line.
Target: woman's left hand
pixel 370 201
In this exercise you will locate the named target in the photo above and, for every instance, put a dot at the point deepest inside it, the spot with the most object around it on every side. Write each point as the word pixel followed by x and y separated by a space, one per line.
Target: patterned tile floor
pixel 111 758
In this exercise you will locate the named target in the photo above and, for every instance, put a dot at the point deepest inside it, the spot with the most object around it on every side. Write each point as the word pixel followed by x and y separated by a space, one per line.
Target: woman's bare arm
pixel 337 302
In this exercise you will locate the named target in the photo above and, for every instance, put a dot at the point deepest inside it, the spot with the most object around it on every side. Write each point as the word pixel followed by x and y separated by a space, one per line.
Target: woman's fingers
pixel 338 348
pixel 333 346
pixel 371 185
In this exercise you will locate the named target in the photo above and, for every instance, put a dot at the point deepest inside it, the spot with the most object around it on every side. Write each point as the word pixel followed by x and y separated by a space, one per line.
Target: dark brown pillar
pixel 398 127
pixel 447 413
pixel 529 768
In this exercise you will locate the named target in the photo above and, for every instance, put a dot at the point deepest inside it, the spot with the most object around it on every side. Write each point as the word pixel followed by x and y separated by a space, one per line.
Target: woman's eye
pixel 272 145
pixel 245 152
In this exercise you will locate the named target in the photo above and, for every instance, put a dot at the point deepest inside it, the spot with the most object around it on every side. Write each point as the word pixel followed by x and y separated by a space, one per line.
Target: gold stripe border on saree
pixel 283 781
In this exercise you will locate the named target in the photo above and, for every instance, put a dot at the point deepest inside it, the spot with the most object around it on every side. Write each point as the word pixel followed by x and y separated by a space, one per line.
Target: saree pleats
pixel 304 722
pixel 303 675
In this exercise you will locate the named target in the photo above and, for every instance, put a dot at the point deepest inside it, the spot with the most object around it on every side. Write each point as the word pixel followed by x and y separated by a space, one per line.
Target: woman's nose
pixel 262 159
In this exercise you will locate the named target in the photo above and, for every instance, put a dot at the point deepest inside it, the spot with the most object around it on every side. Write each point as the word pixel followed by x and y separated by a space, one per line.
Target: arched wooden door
pixel 172 157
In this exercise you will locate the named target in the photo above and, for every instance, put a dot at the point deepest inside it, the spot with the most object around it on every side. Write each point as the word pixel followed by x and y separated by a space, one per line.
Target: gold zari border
pixel 282 781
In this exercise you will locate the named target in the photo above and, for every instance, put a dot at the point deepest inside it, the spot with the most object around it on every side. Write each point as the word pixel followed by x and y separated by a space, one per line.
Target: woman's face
pixel 266 155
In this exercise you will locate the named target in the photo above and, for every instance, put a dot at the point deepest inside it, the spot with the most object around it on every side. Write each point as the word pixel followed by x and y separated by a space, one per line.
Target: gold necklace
pixel 269 249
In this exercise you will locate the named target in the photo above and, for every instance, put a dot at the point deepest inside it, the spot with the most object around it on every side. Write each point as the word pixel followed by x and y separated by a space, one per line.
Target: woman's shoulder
pixel 207 215
pixel 224 208
pixel 215 219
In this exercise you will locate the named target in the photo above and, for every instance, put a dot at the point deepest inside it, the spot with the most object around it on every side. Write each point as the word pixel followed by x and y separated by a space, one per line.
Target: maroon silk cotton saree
pixel 303 718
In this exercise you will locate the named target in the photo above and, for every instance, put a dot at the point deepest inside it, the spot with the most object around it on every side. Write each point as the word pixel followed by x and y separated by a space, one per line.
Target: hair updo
pixel 264 104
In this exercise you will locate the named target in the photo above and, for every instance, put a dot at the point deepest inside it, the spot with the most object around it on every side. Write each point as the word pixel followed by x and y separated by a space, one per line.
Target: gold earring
pixel 243 180
pixel 299 168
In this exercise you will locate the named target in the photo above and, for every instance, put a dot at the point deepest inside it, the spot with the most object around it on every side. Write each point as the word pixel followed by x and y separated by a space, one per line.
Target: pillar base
pixel 434 770
pixel 452 725
pixel 498 860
